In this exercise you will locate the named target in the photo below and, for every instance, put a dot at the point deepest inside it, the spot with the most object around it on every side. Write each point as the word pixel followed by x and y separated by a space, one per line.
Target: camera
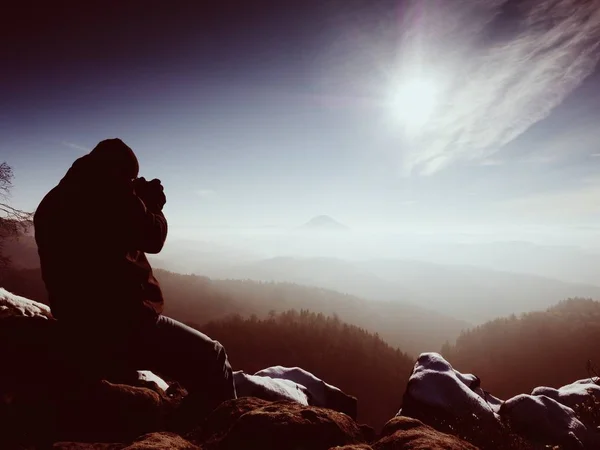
pixel 151 192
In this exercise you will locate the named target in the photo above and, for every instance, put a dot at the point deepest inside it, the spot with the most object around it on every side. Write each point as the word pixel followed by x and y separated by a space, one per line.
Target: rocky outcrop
pixel 160 441
pixel 35 388
pixel 249 423
pixel 411 434
pixel 94 412
pixel 116 414
pixel 286 425
pixel 408 433
pixel 151 441
pixel 442 409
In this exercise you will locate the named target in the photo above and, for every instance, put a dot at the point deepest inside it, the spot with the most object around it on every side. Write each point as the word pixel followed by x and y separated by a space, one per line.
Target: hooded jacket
pixel 92 233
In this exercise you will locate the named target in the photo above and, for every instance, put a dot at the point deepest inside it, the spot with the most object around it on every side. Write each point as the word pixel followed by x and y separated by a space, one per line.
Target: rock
pixel 36 386
pixel 219 422
pixel 160 441
pixel 368 432
pixel 86 446
pixel 267 388
pixel 412 434
pixel 26 328
pixel 547 421
pixel 279 425
pixel 353 447
pixel 318 392
pixel 107 412
pixel 148 441
pixel 97 412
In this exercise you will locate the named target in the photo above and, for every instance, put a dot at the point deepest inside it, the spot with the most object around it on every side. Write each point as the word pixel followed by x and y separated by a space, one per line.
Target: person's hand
pixel 151 193
pixel 156 193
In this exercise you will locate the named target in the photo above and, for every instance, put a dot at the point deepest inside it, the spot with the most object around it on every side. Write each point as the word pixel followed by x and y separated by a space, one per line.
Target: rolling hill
pixel 466 293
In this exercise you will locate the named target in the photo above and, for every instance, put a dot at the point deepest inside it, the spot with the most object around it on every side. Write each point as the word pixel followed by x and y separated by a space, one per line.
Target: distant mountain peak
pixel 324 223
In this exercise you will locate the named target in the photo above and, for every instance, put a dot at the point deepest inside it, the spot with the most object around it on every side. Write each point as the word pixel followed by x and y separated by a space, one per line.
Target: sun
pixel 414 101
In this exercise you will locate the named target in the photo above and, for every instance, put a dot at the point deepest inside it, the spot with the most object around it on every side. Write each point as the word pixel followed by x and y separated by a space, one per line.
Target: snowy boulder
pixel 37 387
pixel 545 420
pixel 435 385
pixel 572 394
pixel 34 338
pixel 320 393
pixel 268 388
pixel 26 329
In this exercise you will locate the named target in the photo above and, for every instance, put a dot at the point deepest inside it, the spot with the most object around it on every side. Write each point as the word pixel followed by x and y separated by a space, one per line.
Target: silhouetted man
pixel 93 230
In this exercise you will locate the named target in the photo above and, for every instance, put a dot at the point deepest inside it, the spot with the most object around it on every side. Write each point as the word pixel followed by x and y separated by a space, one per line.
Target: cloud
pixel 205 193
pixel 491 162
pixel 540 158
pixel 501 74
pixel 75 146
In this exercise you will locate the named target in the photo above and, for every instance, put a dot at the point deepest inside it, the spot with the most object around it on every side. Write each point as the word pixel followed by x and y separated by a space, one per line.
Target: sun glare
pixel 414 102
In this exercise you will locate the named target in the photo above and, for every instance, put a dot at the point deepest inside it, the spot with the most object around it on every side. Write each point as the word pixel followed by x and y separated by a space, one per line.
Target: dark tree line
pixel 358 362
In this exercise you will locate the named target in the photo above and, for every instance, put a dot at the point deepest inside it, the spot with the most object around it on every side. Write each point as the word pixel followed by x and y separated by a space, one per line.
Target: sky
pixel 429 114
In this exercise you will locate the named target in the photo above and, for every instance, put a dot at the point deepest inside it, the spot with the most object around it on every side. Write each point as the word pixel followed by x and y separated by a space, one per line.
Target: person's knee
pixel 220 352
pixel 224 370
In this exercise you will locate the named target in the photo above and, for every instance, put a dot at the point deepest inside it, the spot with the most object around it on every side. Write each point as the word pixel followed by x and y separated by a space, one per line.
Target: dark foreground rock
pixel 353 447
pixel 161 441
pixel 408 433
pixel 95 412
pixel 252 423
pixel 158 441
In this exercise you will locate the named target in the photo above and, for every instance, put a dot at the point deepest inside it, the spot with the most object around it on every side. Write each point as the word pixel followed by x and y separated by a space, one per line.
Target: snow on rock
pixel 546 420
pixel 435 384
pixel 321 393
pixel 268 388
pixel 572 394
pixel 15 305
pixel 150 377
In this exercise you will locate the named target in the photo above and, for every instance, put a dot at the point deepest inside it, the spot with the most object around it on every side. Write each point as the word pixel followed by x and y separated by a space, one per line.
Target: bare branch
pixel 14 213
pixel 13 222
pixel 6 176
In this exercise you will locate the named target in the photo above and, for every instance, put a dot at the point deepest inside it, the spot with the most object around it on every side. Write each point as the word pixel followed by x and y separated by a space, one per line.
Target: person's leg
pixel 197 362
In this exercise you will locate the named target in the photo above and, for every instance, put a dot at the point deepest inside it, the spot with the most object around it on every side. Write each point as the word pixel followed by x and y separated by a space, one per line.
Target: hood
pixel 111 158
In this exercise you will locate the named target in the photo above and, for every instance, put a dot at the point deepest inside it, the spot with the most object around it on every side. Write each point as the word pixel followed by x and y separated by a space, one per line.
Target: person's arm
pixel 144 227
pixel 149 228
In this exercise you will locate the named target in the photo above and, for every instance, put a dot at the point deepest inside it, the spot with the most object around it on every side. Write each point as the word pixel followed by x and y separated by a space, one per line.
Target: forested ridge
pixel 358 362
pixel 201 299
pixel 514 354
